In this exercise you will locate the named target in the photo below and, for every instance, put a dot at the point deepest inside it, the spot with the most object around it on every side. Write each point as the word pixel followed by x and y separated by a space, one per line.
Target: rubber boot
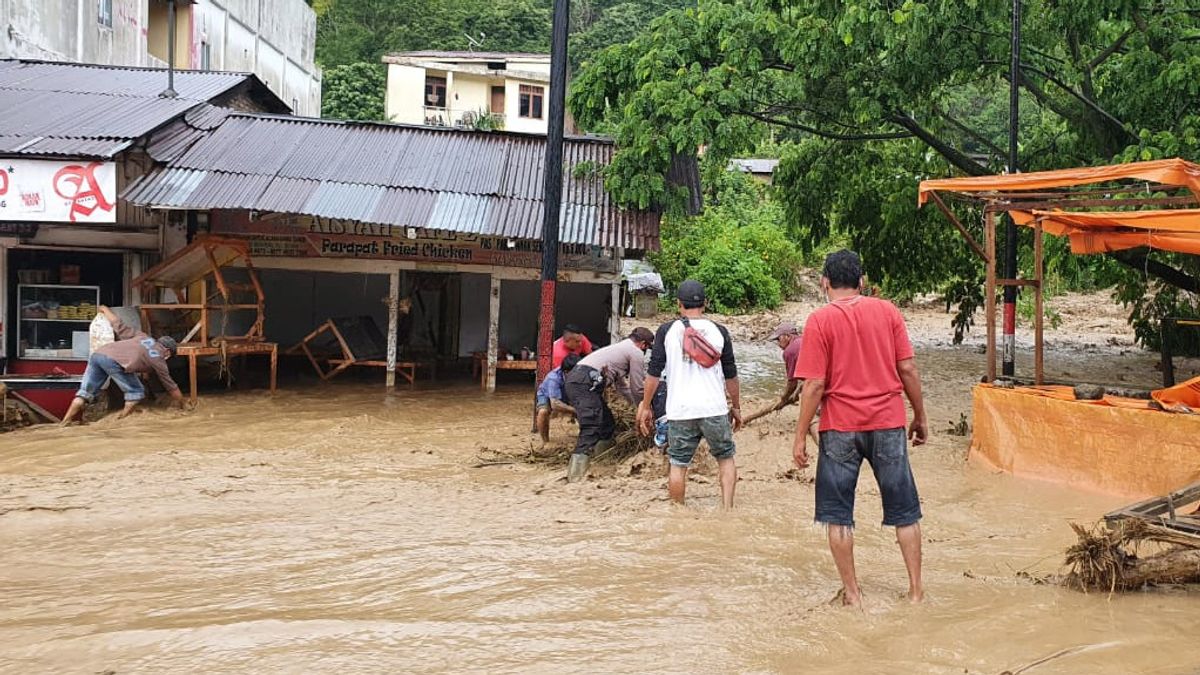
pixel 577 469
pixel 602 446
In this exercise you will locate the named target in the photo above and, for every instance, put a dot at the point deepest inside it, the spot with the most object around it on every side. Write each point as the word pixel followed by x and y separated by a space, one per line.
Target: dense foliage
pixel 868 97
pixel 739 247
pixel 354 91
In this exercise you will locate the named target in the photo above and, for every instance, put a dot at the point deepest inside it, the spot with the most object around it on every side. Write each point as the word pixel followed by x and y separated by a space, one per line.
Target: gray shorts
pixel 683 436
pixel 842 455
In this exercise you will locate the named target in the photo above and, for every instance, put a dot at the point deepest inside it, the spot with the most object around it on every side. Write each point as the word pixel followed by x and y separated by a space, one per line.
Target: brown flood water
pixel 332 528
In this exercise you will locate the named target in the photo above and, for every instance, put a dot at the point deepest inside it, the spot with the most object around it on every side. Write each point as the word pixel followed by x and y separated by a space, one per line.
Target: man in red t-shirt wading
pixel 855 361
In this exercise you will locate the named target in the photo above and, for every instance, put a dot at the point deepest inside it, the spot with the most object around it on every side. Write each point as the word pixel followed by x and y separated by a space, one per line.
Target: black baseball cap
pixel 691 293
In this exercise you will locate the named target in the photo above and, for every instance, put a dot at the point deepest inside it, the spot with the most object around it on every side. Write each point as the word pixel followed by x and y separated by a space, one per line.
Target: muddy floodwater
pixel 335 529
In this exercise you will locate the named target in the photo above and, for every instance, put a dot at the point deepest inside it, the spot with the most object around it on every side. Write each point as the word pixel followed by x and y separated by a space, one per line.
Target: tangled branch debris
pixel 1106 558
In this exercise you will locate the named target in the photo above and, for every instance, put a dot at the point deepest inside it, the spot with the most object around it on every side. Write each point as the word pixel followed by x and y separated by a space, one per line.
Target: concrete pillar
pixel 493 333
pixel 614 316
pixel 393 303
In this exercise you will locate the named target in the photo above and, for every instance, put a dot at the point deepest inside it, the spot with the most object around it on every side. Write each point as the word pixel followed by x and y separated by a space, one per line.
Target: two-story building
pixel 505 90
pixel 273 39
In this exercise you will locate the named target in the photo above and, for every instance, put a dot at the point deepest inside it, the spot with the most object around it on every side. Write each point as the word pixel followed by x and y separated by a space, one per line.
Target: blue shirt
pixel 552 386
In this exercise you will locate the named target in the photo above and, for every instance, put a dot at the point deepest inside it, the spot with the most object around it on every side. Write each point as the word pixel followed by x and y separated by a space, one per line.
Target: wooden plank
pixel 1039 319
pixel 192 375
pixel 1158 506
pixel 990 293
pixel 216 272
pixel 274 364
pixel 51 417
pixel 937 199
pixel 489 377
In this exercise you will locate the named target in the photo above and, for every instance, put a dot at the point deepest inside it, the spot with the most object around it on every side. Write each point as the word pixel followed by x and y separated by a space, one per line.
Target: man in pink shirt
pixel 856 361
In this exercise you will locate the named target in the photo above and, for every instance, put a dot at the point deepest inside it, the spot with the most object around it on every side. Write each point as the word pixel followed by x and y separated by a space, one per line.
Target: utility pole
pixel 552 194
pixel 1009 339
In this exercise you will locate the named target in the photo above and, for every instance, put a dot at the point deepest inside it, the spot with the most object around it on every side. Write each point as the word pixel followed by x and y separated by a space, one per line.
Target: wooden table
pixel 504 364
pixel 195 350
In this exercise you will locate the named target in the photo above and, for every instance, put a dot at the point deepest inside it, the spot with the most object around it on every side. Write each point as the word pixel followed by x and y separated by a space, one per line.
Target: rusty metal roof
pixel 431 178
pixel 68 109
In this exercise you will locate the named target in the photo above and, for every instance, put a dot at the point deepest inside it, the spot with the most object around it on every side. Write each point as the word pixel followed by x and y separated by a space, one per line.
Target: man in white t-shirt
pixel 696 401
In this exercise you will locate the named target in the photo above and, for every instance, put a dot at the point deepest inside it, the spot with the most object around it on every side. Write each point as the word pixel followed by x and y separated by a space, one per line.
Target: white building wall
pixel 405 91
pixel 236 31
pixel 470 95
pixel 512 118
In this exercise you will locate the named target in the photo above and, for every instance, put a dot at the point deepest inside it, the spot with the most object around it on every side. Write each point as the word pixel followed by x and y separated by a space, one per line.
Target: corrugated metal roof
pixel 427 178
pixel 93 111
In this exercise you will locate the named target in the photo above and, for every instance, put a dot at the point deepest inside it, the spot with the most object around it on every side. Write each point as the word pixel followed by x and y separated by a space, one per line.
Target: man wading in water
pixel 855 361
pixel 696 400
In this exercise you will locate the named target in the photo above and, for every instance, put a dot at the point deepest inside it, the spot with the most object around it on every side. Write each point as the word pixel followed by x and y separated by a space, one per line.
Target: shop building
pixel 72 138
pixel 351 219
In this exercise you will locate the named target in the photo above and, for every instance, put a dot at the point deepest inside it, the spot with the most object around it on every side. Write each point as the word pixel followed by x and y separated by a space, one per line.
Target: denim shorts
pixel 102 367
pixel 683 436
pixel 841 456
pixel 541 401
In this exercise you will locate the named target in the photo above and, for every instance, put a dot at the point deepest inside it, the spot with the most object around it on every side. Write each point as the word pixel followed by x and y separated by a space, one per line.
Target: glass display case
pixel 53 321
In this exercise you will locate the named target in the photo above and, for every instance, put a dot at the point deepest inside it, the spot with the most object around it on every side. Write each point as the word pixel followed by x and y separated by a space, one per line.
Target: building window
pixel 205 56
pixel 530 101
pixel 435 92
pixel 104 15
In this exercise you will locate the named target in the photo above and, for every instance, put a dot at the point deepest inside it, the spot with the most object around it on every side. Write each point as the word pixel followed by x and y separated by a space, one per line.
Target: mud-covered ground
pixel 332 527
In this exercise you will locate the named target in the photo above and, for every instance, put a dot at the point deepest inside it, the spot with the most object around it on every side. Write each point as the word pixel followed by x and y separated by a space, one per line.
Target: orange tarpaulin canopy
pixel 1100 232
pixel 1169 172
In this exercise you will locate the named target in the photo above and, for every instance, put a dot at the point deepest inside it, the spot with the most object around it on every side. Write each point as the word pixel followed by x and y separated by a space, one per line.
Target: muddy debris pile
pixel 627 442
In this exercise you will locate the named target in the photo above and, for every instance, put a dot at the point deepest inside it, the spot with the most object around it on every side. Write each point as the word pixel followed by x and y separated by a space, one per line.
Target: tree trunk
pixel 1174 567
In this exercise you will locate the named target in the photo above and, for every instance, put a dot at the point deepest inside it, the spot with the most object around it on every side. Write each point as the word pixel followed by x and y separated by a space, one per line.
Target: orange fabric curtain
pixel 1175 171
pixel 1103 231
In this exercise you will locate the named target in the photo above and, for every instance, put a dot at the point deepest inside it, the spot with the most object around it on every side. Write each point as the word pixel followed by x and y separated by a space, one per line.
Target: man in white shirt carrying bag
pixel 696 355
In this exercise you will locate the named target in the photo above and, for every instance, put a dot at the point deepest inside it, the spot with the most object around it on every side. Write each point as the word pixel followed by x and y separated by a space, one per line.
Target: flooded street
pixel 334 528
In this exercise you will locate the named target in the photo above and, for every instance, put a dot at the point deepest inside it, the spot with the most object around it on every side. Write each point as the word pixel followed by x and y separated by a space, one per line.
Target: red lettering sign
pixel 3 182
pixel 79 185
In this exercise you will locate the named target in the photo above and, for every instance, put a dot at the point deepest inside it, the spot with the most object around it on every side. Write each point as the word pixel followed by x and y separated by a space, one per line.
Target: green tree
pixel 739 247
pixel 870 96
pixel 354 92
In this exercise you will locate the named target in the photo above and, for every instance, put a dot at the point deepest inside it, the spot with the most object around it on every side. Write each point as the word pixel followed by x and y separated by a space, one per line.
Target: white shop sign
pixel 58 191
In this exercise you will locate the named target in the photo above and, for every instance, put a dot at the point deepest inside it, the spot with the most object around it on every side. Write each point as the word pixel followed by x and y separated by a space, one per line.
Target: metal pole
pixel 552 197
pixel 1009 342
pixel 170 92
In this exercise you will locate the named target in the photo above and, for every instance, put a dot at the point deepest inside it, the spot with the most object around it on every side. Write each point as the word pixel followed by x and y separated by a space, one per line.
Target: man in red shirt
pixel 856 361
pixel 573 341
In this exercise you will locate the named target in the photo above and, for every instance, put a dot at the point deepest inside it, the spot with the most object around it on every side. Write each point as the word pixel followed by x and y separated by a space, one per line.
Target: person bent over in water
pixel 550 398
pixel 132 353
pixel 856 363
pixel 621 365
